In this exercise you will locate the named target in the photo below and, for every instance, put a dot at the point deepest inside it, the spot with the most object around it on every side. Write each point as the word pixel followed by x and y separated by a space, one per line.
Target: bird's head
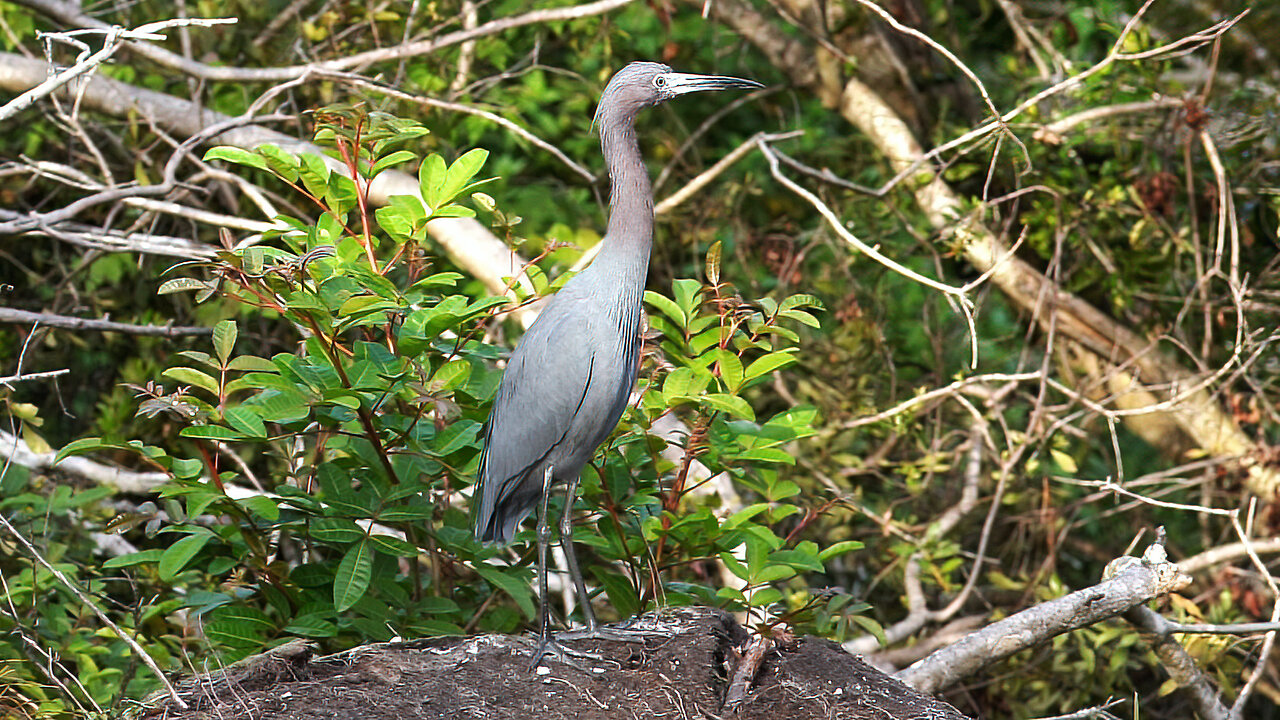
pixel 641 84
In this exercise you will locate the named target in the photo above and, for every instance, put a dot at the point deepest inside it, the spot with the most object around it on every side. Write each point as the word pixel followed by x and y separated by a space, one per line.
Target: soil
pixel 682 669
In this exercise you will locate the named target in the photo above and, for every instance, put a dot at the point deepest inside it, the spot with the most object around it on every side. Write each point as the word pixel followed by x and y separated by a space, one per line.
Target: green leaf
pixel 732 404
pixel 246 420
pixel 191 376
pixel 431 177
pixel 82 446
pixel 395 158
pixel 354 572
pixel 281 162
pixel 236 155
pixel 394 546
pixel 314 174
pixel 251 363
pixel 451 375
pixel 798 559
pixel 239 627
pixel 668 308
pixel 262 506
pixel 713 263
pixel 440 279
pixel 769 363
pixel 772 573
pixel 282 406
pixel 517 588
pixel 743 515
pixel 203 358
pixel 839 548
pixel 336 530
pixel 460 174
pixel 688 295
pixel 735 567
pixel 801 316
pixel 313 625
pixel 1063 460
pixel 457 435
pixel 181 285
pixel 801 300
pixel 453 210
pixel 210 432
pixel 177 555
pixel 137 558
pixel 622 596
pixel 767 595
pixel 730 369
pixel 224 339
pixel 253 260
pixel 871 626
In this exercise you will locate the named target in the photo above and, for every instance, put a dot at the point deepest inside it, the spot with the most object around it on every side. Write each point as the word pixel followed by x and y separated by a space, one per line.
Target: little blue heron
pixel 570 376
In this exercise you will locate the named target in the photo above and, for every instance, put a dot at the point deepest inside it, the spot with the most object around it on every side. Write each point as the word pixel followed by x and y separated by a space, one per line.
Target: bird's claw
pixel 548 648
pixel 615 633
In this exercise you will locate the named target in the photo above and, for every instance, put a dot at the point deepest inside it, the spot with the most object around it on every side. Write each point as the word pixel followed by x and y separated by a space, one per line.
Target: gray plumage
pixel 568 381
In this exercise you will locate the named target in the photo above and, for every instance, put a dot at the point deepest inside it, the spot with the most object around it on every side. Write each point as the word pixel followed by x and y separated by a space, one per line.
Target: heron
pixel 569 378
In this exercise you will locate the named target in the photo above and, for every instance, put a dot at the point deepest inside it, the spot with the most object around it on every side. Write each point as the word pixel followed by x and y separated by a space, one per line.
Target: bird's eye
pixel 660 81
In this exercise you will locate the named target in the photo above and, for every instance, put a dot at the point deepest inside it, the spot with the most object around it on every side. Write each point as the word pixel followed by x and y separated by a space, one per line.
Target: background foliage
pixel 348 372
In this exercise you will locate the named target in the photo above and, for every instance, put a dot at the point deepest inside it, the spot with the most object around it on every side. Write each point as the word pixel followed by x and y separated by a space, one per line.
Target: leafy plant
pixel 316 493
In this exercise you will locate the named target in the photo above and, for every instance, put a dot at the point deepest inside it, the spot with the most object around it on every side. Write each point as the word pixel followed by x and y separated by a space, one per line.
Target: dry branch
pixel 1198 413
pixel 70 16
pixel 468 243
pixel 24 317
pixel 1138 581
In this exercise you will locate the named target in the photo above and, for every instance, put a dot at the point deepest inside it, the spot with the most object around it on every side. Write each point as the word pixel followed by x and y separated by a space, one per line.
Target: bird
pixel 570 376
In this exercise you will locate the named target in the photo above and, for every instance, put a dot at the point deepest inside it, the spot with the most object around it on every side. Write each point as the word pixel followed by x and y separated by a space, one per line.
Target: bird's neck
pixel 630 230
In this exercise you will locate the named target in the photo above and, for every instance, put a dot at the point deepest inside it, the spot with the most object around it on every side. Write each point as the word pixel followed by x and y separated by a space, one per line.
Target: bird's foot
pixel 616 633
pixel 549 648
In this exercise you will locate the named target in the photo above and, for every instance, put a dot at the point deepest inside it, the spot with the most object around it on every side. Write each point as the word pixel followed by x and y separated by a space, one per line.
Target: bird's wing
pixel 544 383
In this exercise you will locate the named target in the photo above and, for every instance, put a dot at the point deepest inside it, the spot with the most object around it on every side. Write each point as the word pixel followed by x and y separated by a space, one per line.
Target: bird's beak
pixel 681 83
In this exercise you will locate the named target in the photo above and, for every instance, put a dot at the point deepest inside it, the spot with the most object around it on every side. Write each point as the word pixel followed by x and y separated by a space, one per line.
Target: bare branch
pixel 1180 666
pixel 110 44
pixel 71 16
pixel 93 606
pixel 1138 581
pixel 11 315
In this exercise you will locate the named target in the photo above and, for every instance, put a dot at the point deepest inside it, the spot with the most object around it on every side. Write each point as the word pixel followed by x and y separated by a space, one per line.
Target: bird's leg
pixel 571 558
pixel 592 631
pixel 544 537
pixel 547 645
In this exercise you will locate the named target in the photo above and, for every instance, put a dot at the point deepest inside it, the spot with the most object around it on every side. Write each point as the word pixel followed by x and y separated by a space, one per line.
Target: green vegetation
pixel 312 441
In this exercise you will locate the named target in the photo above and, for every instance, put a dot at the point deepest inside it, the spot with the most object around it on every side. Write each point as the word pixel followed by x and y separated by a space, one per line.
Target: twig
pixel 111 43
pixel 70 15
pixel 14 449
pixel 744 673
pixel 88 602
pixel 25 317
pixel 363 82
pixel 1268 642
pixel 1228 553
pixel 872 252
pixel 1052 132
pixel 10 379
pixel 1180 666
pixel 1091 713
pixel 1133 583
pixel 950 389
pixel 1199 38
pixel 675 199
